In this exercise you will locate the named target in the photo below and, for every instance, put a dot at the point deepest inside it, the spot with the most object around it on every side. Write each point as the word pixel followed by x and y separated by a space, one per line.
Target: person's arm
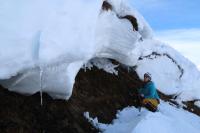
pixel 141 90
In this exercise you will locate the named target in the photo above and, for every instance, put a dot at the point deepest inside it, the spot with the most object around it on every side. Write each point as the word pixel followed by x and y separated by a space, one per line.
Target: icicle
pixel 128 69
pixel 85 67
pixel 41 99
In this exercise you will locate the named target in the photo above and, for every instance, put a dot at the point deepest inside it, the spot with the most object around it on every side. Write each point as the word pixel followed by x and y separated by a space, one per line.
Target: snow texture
pixel 168 120
pixel 181 78
pixel 56 36
pixel 197 103
pixel 60 37
pixel 104 64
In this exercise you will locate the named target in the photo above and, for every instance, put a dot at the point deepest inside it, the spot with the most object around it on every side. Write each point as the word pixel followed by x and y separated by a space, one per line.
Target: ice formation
pixel 45 43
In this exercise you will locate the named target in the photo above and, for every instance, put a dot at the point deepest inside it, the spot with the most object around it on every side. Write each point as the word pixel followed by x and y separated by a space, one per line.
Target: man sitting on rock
pixel 148 95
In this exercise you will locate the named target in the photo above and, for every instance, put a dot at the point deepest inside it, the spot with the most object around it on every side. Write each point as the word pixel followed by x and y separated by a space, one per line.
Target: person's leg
pixel 150 104
pixel 150 107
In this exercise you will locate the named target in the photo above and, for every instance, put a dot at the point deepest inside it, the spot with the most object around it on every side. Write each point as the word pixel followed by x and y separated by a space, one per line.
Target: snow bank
pixel 168 120
pixel 45 43
pixel 197 103
pixel 115 37
pixel 49 36
pixel 37 32
pixel 172 73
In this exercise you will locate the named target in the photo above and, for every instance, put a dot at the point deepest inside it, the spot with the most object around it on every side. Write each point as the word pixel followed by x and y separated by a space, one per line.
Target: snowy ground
pixel 169 119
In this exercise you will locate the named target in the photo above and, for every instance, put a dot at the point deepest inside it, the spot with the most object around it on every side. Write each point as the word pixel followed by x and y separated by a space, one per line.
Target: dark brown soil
pixel 133 21
pixel 102 95
pixel 192 108
pixel 23 114
pixel 106 6
pixel 95 91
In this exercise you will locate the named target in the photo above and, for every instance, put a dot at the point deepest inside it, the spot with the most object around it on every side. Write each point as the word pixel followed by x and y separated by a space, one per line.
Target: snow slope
pixel 45 43
pixel 168 120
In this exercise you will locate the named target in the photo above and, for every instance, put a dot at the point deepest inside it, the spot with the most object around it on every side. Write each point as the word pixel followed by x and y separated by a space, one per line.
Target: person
pixel 148 94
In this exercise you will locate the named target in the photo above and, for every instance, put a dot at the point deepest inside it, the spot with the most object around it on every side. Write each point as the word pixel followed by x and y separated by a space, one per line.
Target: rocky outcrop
pixel 187 105
pixel 95 91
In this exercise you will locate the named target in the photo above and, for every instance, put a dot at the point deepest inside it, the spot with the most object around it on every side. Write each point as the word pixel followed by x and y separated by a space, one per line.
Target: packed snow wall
pixel 43 41
pixel 44 47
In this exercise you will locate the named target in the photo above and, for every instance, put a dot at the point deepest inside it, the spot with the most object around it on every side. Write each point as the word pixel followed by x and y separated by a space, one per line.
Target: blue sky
pixel 170 14
pixel 176 22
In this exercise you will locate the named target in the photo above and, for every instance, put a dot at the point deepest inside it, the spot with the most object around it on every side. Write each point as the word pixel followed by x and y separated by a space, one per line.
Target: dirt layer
pixel 95 91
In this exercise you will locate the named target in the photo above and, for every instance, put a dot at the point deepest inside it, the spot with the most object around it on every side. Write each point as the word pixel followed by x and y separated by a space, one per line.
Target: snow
pixel 41 32
pixel 197 103
pixel 104 64
pixel 166 73
pixel 60 37
pixel 122 8
pixel 115 38
pixel 190 51
pixel 52 35
pixel 185 41
pixel 45 43
pixel 168 120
